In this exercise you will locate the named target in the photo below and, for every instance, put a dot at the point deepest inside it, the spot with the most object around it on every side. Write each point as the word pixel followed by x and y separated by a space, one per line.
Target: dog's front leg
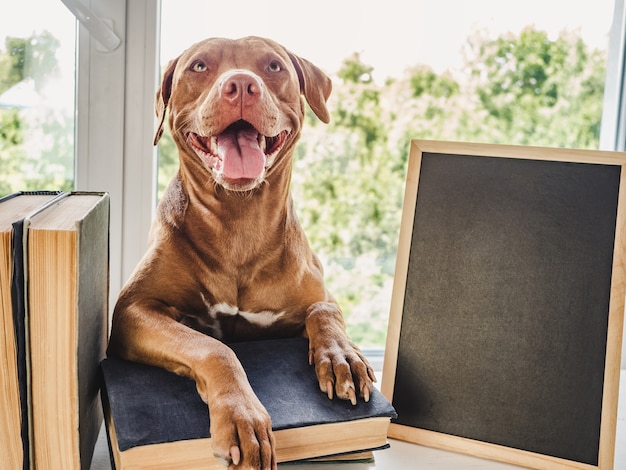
pixel 340 366
pixel 241 428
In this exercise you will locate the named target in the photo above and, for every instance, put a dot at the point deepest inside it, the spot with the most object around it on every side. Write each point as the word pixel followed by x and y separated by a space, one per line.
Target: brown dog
pixel 228 259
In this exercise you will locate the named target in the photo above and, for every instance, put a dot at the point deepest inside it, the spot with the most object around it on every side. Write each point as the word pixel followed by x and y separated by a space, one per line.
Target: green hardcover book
pixel 66 255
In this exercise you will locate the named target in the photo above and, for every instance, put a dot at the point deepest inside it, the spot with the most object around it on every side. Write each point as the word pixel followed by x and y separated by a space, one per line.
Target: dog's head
pixel 236 106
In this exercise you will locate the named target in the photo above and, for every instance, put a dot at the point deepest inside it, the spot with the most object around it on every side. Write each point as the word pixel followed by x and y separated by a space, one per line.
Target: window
pixel 37 88
pixel 427 75
pixel 83 88
pixel 485 71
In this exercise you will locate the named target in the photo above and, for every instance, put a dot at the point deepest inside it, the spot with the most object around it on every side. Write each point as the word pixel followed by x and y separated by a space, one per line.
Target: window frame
pixel 613 128
pixel 114 102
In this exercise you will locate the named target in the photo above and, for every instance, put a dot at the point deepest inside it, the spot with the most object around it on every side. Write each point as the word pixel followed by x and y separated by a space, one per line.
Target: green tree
pixel 353 70
pixel 33 57
pixel 540 91
pixel 49 163
pixel 348 190
pixel 10 139
pixel 349 176
pixel 424 81
pixel 168 161
pixel 345 166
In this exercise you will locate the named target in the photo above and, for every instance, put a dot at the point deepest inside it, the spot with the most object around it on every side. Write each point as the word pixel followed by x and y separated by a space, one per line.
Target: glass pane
pixel 37 82
pixel 529 73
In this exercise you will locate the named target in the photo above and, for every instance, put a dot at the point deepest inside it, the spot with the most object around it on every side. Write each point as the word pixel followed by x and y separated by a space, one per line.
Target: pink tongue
pixel 241 154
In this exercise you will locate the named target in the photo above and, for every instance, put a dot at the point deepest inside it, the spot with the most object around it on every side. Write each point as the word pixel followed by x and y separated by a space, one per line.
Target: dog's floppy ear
pixel 163 97
pixel 315 85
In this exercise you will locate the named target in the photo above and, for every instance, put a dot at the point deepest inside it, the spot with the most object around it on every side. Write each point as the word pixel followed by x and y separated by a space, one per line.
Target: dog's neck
pixel 254 219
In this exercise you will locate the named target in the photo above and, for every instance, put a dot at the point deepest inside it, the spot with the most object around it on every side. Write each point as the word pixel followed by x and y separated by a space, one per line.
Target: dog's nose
pixel 241 88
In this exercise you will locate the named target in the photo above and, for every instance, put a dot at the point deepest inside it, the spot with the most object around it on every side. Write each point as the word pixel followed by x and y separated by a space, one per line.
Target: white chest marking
pixel 263 319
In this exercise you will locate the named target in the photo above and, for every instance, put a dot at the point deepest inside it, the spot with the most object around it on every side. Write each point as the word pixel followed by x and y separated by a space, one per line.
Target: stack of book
pixel 54 283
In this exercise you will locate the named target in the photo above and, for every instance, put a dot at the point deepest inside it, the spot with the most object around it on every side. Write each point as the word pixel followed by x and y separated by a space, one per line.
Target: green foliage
pixel 167 161
pixel 539 91
pixel 49 165
pixel 10 139
pixel 36 144
pixel 33 57
pixel 424 81
pixel 355 71
pixel 349 176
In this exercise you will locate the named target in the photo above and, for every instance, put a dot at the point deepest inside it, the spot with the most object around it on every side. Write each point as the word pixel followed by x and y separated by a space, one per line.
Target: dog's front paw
pixel 241 432
pixel 340 366
pixel 341 369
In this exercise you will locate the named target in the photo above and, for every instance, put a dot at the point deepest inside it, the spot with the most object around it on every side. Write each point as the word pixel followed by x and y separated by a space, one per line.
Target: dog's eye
pixel 198 66
pixel 274 66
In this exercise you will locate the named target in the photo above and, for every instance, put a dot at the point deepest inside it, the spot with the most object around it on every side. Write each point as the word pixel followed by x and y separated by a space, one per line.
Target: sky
pixel 388 34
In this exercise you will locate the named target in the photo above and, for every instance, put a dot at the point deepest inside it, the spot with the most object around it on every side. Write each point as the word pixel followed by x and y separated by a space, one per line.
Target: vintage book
pixel 67 285
pixel 13 423
pixel 156 420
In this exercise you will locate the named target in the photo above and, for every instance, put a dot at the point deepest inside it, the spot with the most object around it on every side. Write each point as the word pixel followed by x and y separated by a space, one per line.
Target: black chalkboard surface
pixel 505 331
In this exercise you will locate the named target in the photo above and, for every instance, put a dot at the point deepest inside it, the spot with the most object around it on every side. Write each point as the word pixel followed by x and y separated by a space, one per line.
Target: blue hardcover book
pixel 156 419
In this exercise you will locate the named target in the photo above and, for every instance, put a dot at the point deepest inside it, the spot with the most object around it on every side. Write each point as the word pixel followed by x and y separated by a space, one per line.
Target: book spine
pixel 19 322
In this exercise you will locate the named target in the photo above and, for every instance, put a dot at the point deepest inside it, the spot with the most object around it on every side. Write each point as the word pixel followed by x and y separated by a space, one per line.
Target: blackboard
pixel 506 321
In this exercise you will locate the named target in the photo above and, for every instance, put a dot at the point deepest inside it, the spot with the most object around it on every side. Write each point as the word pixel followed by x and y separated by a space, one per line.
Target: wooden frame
pixel 398 355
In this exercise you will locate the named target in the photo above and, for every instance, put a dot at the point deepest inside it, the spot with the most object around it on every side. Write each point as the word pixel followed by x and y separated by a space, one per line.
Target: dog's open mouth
pixel 240 153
